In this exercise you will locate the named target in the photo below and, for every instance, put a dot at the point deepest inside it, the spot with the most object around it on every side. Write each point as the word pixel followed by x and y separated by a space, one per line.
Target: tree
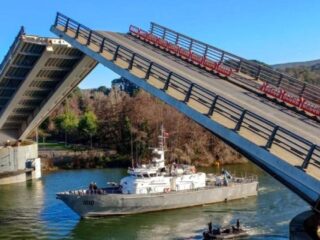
pixel 103 89
pixel 67 122
pixel 88 125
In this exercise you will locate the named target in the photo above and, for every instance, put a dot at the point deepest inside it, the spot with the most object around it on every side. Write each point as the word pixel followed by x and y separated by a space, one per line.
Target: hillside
pixel 296 64
pixel 308 71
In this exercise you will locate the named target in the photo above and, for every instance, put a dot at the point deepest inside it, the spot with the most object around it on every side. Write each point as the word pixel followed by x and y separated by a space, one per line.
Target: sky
pixel 272 31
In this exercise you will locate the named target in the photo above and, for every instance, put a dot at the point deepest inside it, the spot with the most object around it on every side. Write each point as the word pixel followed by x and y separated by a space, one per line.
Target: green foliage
pixel 88 123
pixel 68 122
pixel 103 89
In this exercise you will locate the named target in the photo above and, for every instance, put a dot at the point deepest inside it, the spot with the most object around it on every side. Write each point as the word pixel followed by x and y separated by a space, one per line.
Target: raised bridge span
pixel 35 75
pixel 281 141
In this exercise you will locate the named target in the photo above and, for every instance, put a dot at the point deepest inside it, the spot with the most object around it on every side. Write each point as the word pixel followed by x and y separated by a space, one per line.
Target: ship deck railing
pixel 107 191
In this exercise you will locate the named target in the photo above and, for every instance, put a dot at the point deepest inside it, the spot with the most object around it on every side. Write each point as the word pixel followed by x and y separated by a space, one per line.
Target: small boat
pixel 227 232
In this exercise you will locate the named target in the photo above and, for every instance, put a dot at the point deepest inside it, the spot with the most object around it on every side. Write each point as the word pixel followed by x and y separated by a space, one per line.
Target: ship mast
pixel 162 138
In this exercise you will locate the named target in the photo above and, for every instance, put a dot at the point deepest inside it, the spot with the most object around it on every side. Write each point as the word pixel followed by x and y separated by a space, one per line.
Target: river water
pixel 31 211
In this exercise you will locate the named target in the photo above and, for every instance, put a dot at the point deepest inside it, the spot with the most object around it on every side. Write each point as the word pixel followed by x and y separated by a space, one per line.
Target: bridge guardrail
pixel 255 70
pixel 307 152
pixel 292 86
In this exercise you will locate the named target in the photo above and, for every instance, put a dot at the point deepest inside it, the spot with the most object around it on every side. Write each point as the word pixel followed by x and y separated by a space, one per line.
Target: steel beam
pixel 62 90
pixel 19 94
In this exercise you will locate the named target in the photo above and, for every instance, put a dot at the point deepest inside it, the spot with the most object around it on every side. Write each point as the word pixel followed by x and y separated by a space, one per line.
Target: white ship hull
pixel 96 205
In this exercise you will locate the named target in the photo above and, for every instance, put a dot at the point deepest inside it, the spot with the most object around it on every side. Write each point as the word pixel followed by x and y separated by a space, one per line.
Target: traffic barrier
pixel 163 44
pixel 173 49
pixel 291 99
pixel 184 54
pixel 209 65
pixel 262 87
pixel 152 39
pixel 273 91
pixel 181 52
pixel 311 108
pixel 143 34
pixel 298 102
pixel 134 30
pixel 196 59
pixel 223 70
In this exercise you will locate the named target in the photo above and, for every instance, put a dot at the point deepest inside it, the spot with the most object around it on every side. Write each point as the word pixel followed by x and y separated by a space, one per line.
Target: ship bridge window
pixel 146 175
pixel 153 174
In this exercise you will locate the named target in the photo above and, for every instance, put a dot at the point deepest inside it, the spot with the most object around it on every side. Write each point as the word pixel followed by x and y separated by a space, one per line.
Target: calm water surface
pixel 31 211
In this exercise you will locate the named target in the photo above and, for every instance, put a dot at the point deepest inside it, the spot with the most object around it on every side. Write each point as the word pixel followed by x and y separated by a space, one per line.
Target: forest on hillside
pixel 119 121
pixel 306 73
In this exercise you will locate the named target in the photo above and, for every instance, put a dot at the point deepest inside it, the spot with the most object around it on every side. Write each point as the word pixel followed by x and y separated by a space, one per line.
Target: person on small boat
pixel 210 227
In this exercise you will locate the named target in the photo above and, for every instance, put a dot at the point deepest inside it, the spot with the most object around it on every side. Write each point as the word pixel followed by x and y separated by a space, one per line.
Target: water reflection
pixel 20 206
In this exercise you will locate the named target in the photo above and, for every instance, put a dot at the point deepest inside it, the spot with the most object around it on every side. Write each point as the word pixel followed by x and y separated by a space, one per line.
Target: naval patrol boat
pixel 157 187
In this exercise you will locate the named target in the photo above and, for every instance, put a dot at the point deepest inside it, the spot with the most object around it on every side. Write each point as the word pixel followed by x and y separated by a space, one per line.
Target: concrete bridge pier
pixel 305 225
pixel 19 162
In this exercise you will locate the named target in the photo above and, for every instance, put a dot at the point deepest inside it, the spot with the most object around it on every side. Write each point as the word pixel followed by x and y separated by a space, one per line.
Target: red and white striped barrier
pixel 223 70
pixel 311 108
pixel 173 49
pixel 183 53
pixel 209 65
pixel 290 99
pixel 163 44
pixel 196 59
pixel 134 30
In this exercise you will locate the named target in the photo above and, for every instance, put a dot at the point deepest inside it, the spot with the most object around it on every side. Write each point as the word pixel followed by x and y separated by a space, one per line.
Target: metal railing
pixel 250 68
pixel 11 49
pixel 304 150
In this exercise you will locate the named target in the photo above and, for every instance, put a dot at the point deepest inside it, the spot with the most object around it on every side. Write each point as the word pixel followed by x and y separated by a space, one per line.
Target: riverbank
pixel 56 156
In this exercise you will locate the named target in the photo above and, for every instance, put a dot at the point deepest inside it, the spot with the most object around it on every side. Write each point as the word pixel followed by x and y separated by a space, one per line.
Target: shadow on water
pixel 30 211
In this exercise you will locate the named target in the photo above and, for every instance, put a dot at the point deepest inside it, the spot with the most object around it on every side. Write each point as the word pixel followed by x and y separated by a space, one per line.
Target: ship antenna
pixel 132 159
pixel 162 138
